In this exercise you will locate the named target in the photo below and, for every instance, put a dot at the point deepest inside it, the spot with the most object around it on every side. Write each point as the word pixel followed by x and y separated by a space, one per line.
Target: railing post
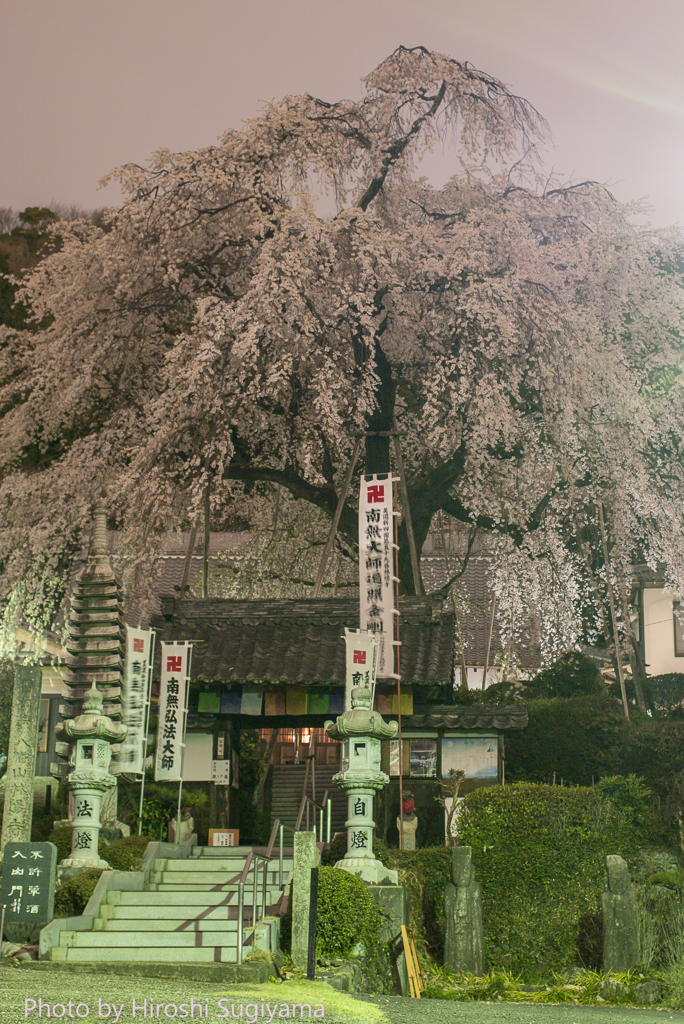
pixel 255 898
pixel 264 890
pixel 329 820
pixel 280 859
pixel 241 910
pixel 320 825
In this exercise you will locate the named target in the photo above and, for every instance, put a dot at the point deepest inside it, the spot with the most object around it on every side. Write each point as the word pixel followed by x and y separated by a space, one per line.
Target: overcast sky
pixel 91 84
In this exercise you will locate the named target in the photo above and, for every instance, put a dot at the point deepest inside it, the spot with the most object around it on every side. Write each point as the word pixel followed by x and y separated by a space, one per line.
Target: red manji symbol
pixel 359 657
pixel 138 645
pixel 174 664
pixel 376 494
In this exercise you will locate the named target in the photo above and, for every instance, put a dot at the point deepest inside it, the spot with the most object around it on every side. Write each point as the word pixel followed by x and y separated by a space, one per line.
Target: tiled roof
pixel 474 596
pixel 472 716
pixel 300 641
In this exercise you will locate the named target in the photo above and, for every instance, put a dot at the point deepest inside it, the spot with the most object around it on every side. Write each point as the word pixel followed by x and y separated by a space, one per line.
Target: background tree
pixel 230 330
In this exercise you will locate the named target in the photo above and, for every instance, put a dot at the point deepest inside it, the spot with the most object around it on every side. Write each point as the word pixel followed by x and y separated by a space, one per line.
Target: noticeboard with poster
pixel 476 756
pixel 422 758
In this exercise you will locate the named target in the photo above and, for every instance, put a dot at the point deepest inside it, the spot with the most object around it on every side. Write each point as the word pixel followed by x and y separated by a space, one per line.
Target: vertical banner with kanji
pixel 376 567
pixel 362 654
pixel 136 696
pixel 171 727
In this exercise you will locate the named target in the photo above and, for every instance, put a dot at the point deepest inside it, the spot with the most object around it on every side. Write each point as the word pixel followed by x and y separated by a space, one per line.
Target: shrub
pixel 572 675
pixel 61 837
pixel 540 854
pixel 71 898
pixel 126 854
pixel 346 914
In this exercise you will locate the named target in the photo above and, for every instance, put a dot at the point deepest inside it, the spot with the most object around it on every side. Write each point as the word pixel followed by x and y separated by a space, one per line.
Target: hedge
pixel 539 853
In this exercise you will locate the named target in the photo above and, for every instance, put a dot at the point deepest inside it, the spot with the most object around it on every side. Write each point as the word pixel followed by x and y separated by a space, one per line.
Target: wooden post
pixel 489 642
pixel 205 560
pixel 188 560
pixel 415 567
pixel 612 613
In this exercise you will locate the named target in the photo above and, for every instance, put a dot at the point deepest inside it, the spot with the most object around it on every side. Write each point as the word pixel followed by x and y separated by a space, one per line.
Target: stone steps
pixel 189 914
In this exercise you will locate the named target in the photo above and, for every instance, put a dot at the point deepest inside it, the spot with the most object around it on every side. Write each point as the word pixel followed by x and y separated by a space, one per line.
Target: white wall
pixel 659 634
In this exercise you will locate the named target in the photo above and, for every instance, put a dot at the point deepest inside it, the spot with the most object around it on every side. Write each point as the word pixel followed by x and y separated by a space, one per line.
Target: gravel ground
pixel 100 993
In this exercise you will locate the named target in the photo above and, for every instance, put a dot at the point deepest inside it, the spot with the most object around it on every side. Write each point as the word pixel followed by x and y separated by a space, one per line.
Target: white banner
pixel 362 655
pixel 136 696
pixel 376 567
pixel 175 664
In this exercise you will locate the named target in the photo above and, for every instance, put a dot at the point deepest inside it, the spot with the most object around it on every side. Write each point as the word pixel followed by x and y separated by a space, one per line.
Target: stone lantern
pixel 91 734
pixel 362 730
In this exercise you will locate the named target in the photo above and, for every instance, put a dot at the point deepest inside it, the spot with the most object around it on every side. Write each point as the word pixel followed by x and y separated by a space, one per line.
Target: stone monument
pixel 463 938
pixel 21 761
pixel 362 730
pixel 620 919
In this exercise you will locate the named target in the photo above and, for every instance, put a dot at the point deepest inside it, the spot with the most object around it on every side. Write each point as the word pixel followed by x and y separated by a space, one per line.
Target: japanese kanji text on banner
pixel 171 728
pixel 139 651
pixel 362 653
pixel 376 567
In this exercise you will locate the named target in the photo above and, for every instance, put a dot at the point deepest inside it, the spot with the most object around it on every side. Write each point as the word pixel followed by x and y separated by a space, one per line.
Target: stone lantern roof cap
pixel 360 720
pixel 92 724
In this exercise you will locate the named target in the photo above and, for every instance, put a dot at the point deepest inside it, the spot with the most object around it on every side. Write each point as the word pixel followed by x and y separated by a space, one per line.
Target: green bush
pixel 539 853
pixel 61 837
pixel 126 854
pixel 71 898
pixel 346 914
pixel 424 873
pixel 573 675
pixel 578 738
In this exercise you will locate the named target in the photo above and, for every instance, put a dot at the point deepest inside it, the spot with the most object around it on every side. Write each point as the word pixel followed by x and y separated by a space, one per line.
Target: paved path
pixel 94 998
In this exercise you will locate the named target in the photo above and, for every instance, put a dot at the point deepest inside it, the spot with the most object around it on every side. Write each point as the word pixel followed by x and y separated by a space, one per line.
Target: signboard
pixel 136 696
pixel 220 772
pixel 362 655
pixel 376 567
pixel 173 687
pixel 224 837
pixel 477 756
pixel 28 882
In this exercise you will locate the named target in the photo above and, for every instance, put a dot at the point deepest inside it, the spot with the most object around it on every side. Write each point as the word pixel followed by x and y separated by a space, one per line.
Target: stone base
pixel 369 869
pixel 410 828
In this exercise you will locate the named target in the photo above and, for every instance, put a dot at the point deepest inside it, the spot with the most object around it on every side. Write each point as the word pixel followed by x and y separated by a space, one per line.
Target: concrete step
pixel 173 886
pixel 232 866
pixel 151 954
pixel 127 914
pixel 144 939
pixel 150 919
pixel 167 924
pixel 171 898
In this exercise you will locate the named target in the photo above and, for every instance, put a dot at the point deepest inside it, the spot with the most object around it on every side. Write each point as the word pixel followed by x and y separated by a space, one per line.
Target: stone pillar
pixel 21 760
pixel 620 920
pixel 410 828
pixel 464 938
pixel 305 857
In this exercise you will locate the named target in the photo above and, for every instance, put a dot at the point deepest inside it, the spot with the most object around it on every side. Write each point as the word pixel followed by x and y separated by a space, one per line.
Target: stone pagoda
pixel 362 730
pixel 95 664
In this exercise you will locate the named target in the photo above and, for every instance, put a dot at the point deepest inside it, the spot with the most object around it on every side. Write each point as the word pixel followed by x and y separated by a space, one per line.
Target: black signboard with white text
pixel 28 882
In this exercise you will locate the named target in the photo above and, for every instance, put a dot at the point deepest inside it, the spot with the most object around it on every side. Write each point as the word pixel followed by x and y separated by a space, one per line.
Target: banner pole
pixel 185 725
pixel 148 701
pixel 397 664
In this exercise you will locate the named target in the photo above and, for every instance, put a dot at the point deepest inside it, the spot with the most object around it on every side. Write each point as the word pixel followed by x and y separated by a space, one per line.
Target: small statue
pixel 408 820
